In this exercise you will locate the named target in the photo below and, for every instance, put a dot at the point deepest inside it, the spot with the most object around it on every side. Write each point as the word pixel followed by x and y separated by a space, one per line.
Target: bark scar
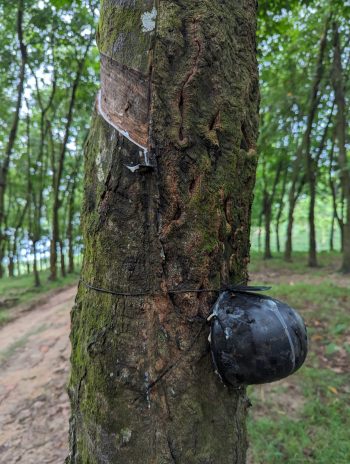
pixel 183 140
pixel 171 450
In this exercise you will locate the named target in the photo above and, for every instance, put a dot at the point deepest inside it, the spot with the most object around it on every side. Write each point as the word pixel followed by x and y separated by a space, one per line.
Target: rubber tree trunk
pixel 268 201
pixel 267 216
pixel 7 153
pixel 341 134
pixel 70 248
pixel 331 234
pixel 62 259
pixel 260 228
pixel 70 226
pixel 311 162
pixel 37 282
pixel 183 224
pixel 304 150
pixel 11 266
pixel 292 200
pixel 58 170
pixel 312 257
pixel 290 222
pixel 280 209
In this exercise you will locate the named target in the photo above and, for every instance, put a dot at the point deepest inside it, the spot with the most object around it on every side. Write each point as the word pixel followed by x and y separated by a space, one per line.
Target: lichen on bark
pixel 122 34
pixel 182 225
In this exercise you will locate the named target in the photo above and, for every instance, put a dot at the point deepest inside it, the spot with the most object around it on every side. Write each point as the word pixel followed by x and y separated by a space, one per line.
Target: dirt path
pixel 34 408
pixel 34 352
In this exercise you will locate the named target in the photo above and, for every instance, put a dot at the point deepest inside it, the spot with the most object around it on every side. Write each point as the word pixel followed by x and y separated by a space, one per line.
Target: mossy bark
pixel 182 225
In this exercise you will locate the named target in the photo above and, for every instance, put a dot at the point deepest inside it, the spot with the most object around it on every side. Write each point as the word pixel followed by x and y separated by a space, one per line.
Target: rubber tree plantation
pixel 170 166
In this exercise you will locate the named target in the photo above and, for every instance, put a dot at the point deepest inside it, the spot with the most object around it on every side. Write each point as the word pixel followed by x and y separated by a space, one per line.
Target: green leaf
pixel 61 3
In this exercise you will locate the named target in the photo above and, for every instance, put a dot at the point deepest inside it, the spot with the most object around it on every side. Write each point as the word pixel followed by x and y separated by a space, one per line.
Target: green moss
pixel 121 36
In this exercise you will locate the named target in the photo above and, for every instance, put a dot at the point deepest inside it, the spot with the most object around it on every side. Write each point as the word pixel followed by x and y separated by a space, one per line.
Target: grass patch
pixel 327 262
pixel 4 316
pixel 22 290
pixel 316 431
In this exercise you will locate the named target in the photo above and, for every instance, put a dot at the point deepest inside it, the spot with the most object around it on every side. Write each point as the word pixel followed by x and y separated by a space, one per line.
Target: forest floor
pixel 34 365
pixel 303 419
pixel 306 417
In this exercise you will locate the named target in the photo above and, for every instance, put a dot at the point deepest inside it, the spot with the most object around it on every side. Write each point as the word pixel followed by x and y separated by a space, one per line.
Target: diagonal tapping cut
pixel 124 101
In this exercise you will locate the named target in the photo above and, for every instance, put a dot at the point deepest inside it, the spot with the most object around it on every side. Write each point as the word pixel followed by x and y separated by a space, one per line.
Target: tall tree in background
pixel 58 167
pixel 341 135
pixel 5 160
pixel 44 82
pixel 170 169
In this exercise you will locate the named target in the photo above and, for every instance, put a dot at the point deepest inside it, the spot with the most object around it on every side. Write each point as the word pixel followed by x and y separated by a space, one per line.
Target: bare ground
pixel 34 408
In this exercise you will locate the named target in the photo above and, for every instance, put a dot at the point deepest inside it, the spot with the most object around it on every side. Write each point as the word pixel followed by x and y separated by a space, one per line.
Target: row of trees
pixel 48 79
pixel 304 124
pixel 49 75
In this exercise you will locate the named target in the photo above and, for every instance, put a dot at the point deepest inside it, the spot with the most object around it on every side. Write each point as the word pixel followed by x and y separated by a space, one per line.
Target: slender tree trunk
pixel 57 177
pixel 54 242
pixel 18 262
pixel 70 252
pixel 311 164
pixel 12 256
pixel 260 229
pixel 277 232
pixel 71 211
pixel 333 189
pixel 35 266
pixel 35 201
pixel 36 192
pixel 13 250
pixel 289 233
pixel 5 160
pixel 341 133
pixel 312 259
pixel 176 217
pixel 11 266
pixel 70 236
pixel 267 206
pixel 312 177
pixel 305 148
pixel 331 235
pixel 267 215
pixel 292 199
pixel 280 209
pixel 62 259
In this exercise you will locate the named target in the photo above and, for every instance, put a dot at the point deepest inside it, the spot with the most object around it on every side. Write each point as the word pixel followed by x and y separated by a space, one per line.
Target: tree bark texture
pixel 183 224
